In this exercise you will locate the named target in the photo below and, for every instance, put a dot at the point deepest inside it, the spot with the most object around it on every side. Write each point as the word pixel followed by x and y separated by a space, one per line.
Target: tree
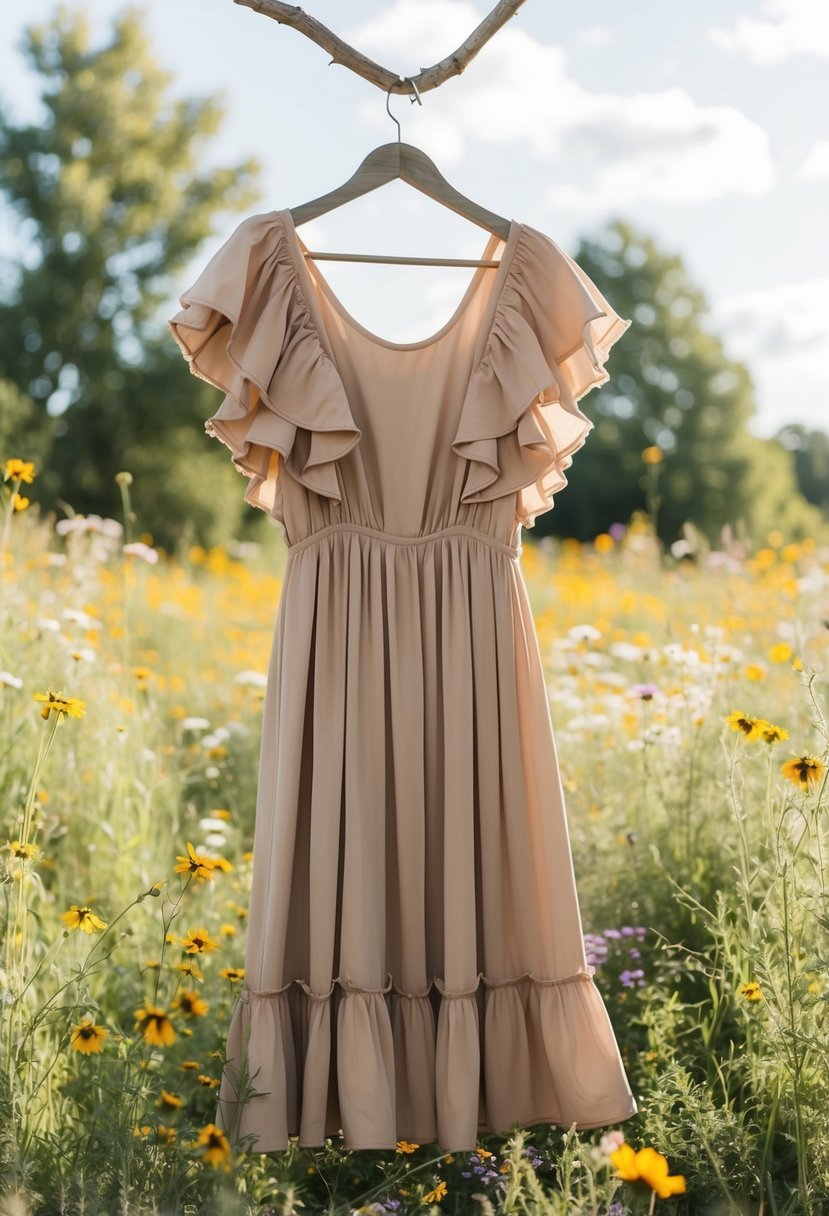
pixel 672 386
pixel 111 202
pixel 811 461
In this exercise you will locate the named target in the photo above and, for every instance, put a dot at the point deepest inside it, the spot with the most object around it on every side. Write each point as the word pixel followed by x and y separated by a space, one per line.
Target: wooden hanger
pixel 385 164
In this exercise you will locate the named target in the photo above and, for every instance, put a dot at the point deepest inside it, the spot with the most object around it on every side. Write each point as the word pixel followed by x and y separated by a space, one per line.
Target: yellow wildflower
pixel 211 1082
pixel 61 704
pixel 81 917
pixel 20 503
pixel 780 652
pixel 233 974
pixel 192 1004
pixel 653 455
pixel 803 770
pixel 745 723
pixel 215 1144
pixel 156 1026
pixel 406 1146
pixel 87 1037
pixel 195 863
pixel 647 1165
pixel 189 966
pixel 24 852
pixel 437 1194
pixel 751 991
pixel 768 732
pixel 197 941
pixel 170 1100
pixel 19 470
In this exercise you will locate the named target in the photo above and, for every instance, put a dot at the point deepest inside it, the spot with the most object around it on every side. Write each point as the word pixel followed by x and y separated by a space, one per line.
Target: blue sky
pixel 705 125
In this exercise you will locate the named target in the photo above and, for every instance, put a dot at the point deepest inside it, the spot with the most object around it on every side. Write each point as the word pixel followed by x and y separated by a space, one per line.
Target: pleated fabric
pixel 415 966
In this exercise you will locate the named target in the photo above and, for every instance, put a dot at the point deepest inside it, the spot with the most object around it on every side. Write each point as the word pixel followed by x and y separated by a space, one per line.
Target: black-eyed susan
pixel 20 502
pixel 23 852
pixel 170 1101
pixel 744 723
pixel 437 1195
pixel 221 863
pixel 803 770
pixel 233 974
pixel 215 1144
pixel 165 1136
pixel 190 1065
pixel 208 1082
pixel 59 703
pixel 155 1025
pixel 18 470
pixel 189 966
pixel 228 930
pixel 751 991
pixel 87 1037
pixel 82 917
pixel 406 1146
pixel 143 675
pixel 771 733
pixel 648 1166
pixel 195 863
pixel 191 1004
pixel 198 941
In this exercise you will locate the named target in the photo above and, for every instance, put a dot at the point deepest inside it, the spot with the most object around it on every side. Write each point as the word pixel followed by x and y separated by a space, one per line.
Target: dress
pixel 415 967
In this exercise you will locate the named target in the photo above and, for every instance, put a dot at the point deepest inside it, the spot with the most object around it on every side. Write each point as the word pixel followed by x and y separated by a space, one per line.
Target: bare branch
pixel 375 73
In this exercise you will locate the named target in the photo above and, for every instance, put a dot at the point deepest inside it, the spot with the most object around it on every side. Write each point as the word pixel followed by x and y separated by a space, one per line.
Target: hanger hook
pixel 416 98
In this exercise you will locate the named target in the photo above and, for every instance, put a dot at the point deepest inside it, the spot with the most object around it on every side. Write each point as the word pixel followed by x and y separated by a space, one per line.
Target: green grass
pixel 693 846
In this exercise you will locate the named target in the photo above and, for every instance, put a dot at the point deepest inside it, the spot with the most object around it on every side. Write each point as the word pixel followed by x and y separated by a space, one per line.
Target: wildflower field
pixel 688 696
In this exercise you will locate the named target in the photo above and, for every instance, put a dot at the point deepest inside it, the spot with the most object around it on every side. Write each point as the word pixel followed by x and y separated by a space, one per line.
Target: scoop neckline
pixel 299 248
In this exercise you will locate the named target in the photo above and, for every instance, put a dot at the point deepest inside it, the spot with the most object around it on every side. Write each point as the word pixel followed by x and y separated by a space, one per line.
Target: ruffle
pixel 550 339
pixel 245 328
pixel 364 1061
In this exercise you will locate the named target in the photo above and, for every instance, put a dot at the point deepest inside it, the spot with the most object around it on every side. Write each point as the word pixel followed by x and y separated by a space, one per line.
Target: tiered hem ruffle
pixel 435 1065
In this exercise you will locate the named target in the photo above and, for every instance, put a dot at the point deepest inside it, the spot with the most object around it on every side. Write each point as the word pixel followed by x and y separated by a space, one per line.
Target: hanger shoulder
pixel 419 171
pixel 382 165
pixel 389 162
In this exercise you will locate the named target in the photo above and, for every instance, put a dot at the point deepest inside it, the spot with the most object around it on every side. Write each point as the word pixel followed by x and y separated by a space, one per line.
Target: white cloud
pixel 815 165
pixel 788 28
pixel 661 145
pixel 593 35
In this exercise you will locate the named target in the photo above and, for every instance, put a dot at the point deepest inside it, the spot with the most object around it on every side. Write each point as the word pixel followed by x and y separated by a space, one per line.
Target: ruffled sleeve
pixel 551 336
pixel 244 327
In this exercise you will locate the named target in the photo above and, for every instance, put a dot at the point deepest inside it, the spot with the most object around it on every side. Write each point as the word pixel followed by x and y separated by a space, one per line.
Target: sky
pixel 705 126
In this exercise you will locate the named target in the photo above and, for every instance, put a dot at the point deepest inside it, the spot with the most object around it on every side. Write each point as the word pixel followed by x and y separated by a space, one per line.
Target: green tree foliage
pixel 811 461
pixel 111 199
pixel 672 386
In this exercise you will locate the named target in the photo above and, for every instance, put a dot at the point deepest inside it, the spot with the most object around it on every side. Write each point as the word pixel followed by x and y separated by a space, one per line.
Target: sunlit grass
pixel 688 699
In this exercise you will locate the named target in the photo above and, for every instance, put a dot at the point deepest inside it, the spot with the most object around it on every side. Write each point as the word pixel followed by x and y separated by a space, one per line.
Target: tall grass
pixel 699 853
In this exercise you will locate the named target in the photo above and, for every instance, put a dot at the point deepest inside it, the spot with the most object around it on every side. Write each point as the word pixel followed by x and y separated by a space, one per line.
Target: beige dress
pixel 415 967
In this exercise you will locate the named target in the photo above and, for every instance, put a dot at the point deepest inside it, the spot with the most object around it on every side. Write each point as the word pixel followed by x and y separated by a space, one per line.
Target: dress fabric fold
pixel 415 966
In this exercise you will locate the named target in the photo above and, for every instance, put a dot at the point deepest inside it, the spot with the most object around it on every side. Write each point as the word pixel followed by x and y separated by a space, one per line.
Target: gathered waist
pixel 512 551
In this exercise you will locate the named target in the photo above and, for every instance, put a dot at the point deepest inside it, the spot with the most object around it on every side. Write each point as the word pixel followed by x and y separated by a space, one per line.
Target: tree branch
pixel 375 73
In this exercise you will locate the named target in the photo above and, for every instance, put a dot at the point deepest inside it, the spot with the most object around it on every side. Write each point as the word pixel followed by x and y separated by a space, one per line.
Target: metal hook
pixel 416 98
